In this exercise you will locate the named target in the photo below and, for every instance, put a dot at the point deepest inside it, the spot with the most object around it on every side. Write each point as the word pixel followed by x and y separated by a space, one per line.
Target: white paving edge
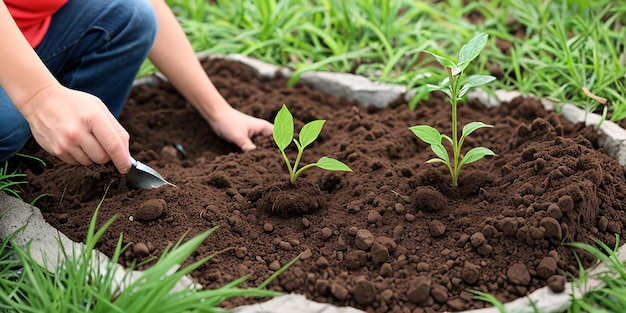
pixel 44 237
pixel 46 244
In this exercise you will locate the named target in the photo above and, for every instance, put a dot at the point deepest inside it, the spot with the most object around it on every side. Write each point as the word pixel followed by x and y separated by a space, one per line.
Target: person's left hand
pixel 238 128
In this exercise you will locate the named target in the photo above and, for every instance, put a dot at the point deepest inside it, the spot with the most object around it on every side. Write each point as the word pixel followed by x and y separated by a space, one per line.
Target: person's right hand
pixel 77 127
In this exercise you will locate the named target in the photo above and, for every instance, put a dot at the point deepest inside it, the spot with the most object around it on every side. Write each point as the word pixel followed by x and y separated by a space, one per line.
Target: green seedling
pixel 283 136
pixel 455 86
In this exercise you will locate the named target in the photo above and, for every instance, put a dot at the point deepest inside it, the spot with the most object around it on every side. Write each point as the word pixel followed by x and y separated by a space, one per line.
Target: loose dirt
pixel 393 236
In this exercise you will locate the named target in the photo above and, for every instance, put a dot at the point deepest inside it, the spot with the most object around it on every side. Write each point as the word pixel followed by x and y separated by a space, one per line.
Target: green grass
pixel 10 179
pixel 79 284
pixel 609 297
pixel 566 45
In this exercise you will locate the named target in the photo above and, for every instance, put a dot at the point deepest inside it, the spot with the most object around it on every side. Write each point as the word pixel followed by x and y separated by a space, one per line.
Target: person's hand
pixel 238 128
pixel 77 127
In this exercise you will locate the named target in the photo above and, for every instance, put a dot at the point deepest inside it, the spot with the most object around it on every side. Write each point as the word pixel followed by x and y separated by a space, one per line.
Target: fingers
pixel 247 146
pixel 254 127
pixel 77 127
pixel 113 139
pixel 267 128
pixel 82 148
pixel 91 149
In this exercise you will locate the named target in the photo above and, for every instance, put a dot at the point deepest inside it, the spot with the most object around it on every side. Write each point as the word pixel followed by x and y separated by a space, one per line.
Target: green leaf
pixel 478 80
pixel 471 127
pixel 446 62
pixel 444 83
pixel 471 50
pixel 283 128
pixel 474 81
pixel 436 160
pixel 441 152
pixel 310 131
pixel 427 134
pixel 331 164
pixel 475 154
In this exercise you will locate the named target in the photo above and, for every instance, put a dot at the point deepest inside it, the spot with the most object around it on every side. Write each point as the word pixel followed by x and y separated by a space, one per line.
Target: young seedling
pixel 455 86
pixel 283 136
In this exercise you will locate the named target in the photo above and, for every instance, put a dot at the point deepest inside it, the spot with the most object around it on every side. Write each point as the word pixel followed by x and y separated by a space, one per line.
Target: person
pixel 67 67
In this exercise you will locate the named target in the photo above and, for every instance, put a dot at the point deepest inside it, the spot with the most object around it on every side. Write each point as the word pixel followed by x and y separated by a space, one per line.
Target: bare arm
pixel 174 57
pixel 75 126
pixel 23 74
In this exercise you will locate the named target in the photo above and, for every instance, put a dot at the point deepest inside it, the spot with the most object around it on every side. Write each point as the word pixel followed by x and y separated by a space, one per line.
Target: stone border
pixel 44 242
pixel 43 237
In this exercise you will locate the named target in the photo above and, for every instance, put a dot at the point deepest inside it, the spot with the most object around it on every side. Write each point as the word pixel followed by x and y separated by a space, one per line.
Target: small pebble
pixel 436 228
pixel 268 227
pixel 322 286
pixel 364 239
pixel 556 283
pixel 380 253
pixel 554 211
pixel 462 240
pixel 151 210
pixel 326 233
pixel 241 252
pixel 439 293
pixel 352 231
pixel 321 262
pixel 274 266
pixel 484 250
pixel 386 270
pixel 306 254
pixel 387 294
pixel 547 267
pixel 284 245
pixel 477 239
pixel 518 274
pixel 423 267
pixel 397 231
pixel 340 292
pixel 373 217
pixel 400 209
pixel 141 249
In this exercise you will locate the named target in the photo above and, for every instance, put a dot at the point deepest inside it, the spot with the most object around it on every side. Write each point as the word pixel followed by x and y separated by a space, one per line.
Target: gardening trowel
pixel 143 177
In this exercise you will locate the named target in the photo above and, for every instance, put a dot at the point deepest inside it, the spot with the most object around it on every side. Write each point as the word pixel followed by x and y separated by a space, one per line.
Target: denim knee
pixel 13 141
pixel 142 24
pixel 14 130
pixel 99 46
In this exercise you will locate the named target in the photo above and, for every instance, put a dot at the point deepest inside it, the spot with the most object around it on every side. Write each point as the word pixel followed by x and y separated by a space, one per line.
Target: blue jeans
pixel 94 46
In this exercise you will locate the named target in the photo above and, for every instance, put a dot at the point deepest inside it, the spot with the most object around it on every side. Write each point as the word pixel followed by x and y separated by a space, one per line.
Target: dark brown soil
pixel 393 236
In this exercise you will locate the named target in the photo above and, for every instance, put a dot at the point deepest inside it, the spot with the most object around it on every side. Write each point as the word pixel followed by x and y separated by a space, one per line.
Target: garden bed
pixel 393 236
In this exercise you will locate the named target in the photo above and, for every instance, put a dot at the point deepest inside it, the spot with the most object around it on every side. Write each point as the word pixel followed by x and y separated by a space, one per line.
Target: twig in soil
pixel 214 254
pixel 603 101
pixel 62 195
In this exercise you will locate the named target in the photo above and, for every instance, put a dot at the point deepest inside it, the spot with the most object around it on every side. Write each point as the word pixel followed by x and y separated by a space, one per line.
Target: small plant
pixel 283 136
pixel 455 86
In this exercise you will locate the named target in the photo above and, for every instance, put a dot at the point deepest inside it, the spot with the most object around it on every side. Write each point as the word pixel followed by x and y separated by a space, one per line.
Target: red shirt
pixel 33 16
